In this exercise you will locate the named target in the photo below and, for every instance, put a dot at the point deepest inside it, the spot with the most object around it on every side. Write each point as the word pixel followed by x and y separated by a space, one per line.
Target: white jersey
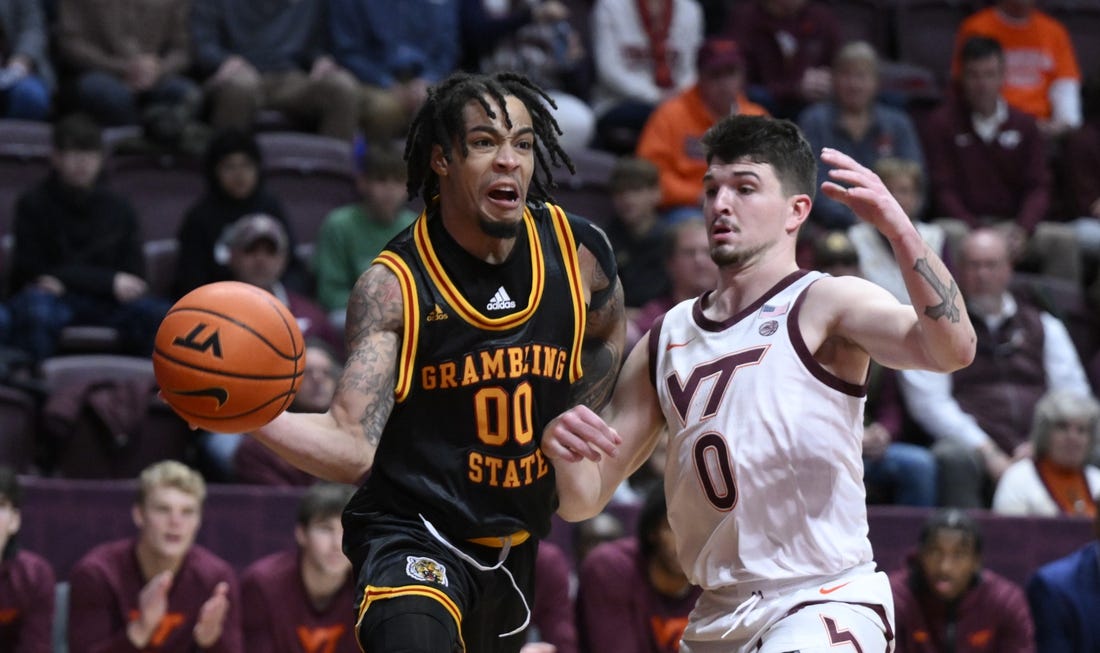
pixel 765 473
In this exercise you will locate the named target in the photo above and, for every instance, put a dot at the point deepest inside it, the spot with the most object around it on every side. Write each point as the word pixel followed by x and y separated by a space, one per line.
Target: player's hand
pixel 579 433
pixel 152 606
pixel 539 647
pixel 861 190
pixel 208 627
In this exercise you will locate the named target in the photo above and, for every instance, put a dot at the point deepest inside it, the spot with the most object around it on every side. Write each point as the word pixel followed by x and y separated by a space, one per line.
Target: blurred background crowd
pixel 151 146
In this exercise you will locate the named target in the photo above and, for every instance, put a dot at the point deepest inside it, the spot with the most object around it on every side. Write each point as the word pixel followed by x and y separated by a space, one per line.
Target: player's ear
pixel 798 211
pixel 439 161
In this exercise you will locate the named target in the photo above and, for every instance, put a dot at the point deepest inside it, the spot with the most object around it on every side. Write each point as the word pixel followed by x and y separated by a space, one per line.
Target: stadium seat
pixel 103 419
pixel 160 265
pixel 865 20
pixel 160 187
pixel 18 423
pixel 310 174
pixel 25 148
pixel 586 193
pixel 924 33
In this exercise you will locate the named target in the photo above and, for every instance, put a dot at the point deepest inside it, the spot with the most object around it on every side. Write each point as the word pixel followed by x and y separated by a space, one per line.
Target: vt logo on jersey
pixel 500 301
pixel 717 375
pixel 168 623
pixel 191 341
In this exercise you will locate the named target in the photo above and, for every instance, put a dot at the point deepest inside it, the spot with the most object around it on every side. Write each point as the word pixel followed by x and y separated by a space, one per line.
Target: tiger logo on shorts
pixel 426 570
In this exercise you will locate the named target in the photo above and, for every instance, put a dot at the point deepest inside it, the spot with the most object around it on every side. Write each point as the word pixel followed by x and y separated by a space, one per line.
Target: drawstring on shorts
pixel 507 546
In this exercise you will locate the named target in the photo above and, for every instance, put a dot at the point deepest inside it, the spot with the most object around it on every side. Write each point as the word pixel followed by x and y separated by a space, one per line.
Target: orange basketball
pixel 229 357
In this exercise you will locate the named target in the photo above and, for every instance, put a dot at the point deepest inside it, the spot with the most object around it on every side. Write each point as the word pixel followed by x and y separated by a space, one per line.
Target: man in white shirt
pixel 980 416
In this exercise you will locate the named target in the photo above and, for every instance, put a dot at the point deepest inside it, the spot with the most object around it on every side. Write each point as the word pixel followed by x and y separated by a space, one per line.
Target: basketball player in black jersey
pixel 491 314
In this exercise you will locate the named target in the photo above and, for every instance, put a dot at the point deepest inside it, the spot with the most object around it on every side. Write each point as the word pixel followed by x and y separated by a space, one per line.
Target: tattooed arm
pixel 339 445
pixel 934 333
pixel 604 336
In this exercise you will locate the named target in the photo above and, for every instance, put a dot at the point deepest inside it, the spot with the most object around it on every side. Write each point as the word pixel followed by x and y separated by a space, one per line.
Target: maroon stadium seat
pixel 103 419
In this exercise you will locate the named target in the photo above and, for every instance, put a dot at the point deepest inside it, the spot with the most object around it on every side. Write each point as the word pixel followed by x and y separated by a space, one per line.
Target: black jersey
pixel 487 356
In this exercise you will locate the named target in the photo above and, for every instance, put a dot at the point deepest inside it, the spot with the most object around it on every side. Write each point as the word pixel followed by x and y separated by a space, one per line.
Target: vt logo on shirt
pixel 500 301
pixel 321 639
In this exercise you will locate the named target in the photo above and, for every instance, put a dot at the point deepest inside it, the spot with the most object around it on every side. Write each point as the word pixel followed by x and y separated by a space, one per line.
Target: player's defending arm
pixel 591 456
pixel 339 445
pixel 937 335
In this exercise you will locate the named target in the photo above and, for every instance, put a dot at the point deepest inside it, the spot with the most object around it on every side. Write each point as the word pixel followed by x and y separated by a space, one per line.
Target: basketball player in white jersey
pixel 761 384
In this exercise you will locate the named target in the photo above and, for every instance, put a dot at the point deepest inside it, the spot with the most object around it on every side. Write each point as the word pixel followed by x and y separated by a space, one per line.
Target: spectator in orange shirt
pixel 1041 75
pixel 671 137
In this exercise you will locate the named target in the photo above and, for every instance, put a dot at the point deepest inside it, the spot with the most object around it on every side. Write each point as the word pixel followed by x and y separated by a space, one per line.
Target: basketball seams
pixel 157 351
pixel 256 381
pixel 246 327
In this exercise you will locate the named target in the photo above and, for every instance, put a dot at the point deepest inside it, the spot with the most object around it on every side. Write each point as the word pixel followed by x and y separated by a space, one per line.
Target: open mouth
pixel 504 195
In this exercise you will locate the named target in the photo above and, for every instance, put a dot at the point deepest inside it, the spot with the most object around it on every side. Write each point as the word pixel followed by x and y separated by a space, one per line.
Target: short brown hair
pixel 633 173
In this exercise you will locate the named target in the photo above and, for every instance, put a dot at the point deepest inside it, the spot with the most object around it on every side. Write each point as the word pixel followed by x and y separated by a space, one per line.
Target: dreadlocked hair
pixel 440 121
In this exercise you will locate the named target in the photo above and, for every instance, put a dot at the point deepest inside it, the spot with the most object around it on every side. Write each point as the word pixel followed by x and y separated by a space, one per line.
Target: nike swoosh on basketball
pixel 673 345
pixel 830 590
pixel 220 394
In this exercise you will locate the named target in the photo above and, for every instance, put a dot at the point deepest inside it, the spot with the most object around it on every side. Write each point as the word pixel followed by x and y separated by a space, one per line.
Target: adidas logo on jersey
pixel 436 314
pixel 500 301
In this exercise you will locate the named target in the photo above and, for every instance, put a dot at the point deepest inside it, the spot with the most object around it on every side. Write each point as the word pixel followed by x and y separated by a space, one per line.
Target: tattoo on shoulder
pixel 375 304
pixel 602 354
pixel 374 308
pixel 948 294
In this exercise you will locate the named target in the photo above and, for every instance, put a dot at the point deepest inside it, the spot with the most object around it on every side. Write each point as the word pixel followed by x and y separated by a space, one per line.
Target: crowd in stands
pixel 996 160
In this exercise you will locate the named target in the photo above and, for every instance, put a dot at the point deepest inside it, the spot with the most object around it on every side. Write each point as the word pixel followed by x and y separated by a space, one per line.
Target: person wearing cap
pixel 945 601
pixel 854 122
pixel 259 249
pixel 672 135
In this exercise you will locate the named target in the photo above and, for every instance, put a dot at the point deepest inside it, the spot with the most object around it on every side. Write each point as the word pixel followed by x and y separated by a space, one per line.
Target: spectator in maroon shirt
pixel 256 464
pixel 303 599
pixel 26 581
pixel 159 590
pixel 988 167
pixel 789 48
pixel 633 595
pixel 945 601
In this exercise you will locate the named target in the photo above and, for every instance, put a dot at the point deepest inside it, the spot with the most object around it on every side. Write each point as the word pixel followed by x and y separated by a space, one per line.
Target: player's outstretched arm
pixel 938 335
pixel 593 454
pixel 339 445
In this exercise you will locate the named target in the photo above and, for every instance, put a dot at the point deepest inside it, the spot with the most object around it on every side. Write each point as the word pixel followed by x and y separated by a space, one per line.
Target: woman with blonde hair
pixel 1057 479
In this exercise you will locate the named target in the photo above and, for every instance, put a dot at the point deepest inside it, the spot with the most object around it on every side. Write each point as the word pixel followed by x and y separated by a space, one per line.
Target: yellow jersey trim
pixel 568 246
pixel 410 320
pixel 462 307
pixel 372 594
